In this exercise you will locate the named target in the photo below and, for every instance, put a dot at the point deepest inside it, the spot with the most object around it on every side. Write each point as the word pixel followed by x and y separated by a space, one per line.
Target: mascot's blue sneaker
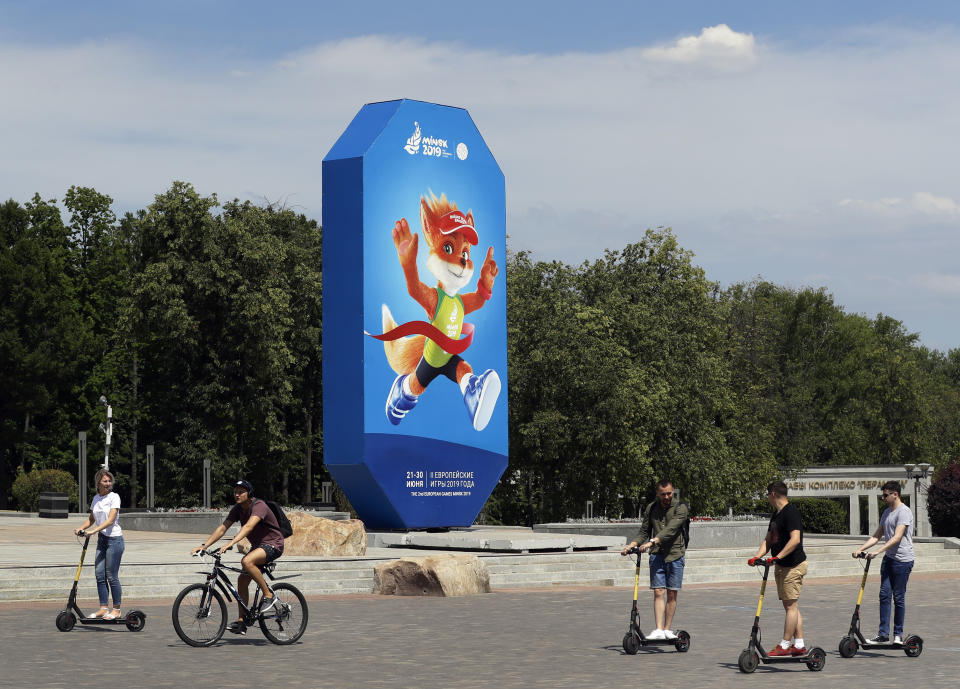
pixel 480 396
pixel 399 402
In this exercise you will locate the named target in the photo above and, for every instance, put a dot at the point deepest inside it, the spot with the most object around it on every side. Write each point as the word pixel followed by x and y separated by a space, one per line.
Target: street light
pixel 107 431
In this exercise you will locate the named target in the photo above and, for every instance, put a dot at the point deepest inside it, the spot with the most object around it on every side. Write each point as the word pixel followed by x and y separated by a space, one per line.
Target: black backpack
pixel 685 529
pixel 283 524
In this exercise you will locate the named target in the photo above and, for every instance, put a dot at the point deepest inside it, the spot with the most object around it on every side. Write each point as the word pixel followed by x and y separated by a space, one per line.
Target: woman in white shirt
pixel 104 511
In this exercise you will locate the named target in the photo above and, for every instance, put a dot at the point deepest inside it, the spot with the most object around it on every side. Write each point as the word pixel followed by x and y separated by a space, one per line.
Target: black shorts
pixel 272 553
pixel 426 373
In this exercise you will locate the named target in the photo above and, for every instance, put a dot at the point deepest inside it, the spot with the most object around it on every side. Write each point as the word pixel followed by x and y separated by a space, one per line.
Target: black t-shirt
pixel 781 524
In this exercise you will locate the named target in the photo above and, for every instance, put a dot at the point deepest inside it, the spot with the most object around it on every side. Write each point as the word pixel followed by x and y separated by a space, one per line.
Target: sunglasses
pixel 886 495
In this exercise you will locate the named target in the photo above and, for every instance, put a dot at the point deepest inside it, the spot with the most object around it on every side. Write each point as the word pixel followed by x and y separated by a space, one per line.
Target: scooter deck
pixel 785 659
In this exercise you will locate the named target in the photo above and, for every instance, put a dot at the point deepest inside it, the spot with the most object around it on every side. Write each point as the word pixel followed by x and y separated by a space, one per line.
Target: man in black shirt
pixel 784 540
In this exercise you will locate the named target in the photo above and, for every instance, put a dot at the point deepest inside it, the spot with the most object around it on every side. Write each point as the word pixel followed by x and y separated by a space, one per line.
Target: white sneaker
pixel 897 639
pixel 656 635
pixel 668 634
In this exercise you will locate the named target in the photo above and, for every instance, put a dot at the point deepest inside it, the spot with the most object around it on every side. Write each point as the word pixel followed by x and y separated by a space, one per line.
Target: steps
pixel 345 576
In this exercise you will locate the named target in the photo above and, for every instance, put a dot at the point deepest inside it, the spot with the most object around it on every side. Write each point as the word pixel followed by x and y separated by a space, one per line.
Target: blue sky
pixel 808 143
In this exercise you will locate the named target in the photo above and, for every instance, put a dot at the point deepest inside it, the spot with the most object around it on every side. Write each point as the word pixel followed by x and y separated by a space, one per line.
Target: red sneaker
pixel 780 651
pixel 799 651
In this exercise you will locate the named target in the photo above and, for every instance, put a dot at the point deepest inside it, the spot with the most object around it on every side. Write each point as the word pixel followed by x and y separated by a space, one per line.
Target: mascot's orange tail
pixel 403 354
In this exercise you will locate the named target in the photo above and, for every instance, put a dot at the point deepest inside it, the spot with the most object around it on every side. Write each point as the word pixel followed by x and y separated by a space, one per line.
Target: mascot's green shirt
pixel 449 320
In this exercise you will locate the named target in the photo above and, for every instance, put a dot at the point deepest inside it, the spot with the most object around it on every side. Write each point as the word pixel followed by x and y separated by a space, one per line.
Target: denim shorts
pixel 666 575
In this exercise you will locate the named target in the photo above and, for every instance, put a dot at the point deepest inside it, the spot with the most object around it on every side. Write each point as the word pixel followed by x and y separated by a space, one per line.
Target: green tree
pixel 40 330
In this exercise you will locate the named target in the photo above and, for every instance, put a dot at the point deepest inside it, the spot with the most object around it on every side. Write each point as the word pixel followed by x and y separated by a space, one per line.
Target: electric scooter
pixel 754 654
pixel 634 638
pixel 67 618
pixel 912 645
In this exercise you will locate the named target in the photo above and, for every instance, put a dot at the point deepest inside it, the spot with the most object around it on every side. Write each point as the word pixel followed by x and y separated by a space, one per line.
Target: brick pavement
pixel 556 638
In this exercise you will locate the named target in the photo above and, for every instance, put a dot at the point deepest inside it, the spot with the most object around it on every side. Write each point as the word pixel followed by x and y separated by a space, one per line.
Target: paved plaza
pixel 556 638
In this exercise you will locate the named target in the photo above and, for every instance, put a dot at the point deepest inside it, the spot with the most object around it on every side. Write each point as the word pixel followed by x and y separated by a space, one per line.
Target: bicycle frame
pixel 219 579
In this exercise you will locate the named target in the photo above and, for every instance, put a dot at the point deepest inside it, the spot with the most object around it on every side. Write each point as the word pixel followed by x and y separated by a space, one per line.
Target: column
pixel 872 515
pixel 920 510
pixel 855 514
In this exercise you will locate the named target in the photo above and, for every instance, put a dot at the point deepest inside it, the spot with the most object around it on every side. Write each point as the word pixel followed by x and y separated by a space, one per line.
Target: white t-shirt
pixel 101 506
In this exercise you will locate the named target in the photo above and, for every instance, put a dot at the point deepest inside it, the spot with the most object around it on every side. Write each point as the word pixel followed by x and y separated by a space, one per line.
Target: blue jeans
pixel 893 584
pixel 666 575
pixel 107 568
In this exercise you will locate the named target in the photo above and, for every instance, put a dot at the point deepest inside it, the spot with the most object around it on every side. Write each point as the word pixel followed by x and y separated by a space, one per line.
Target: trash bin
pixel 54 505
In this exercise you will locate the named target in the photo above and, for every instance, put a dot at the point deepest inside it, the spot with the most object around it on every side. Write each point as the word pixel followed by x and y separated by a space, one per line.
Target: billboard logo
pixel 413 143
pixel 430 146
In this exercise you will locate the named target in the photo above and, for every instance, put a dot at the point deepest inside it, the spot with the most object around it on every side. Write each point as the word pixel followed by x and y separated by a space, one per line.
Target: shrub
pixel 822 515
pixel 28 486
pixel 943 501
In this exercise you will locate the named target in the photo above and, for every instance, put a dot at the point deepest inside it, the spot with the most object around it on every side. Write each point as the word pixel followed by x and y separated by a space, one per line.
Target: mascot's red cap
pixel 456 221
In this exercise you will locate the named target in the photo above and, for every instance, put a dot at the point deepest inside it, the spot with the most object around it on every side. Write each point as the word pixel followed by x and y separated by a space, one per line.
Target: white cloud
pixel 714 43
pixel 929 204
pixel 941 283
pixel 881 206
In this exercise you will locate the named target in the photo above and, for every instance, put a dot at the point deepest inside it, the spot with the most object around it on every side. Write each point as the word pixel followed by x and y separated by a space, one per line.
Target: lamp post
pixel 918 472
pixel 107 432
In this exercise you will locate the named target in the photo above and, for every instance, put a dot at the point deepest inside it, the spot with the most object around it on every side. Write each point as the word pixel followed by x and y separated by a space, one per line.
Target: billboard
pixel 415 380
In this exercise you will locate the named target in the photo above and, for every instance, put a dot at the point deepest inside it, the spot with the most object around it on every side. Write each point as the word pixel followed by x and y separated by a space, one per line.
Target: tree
pixel 943 500
pixel 41 330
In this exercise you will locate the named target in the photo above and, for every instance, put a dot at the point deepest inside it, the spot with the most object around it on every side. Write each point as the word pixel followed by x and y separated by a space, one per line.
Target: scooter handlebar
pixel 762 561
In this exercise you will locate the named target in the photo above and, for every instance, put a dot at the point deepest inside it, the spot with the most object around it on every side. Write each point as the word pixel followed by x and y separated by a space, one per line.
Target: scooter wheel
pixel 682 644
pixel 66 620
pixel 817 659
pixel 848 647
pixel 913 646
pixel 631 644
pixel 136 620
pixel 748 661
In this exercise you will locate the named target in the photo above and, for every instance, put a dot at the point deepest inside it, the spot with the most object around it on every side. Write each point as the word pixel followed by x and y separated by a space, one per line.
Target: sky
pixel 808 144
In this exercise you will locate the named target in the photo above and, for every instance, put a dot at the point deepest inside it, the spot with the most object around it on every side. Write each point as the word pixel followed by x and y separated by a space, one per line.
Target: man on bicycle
pixel 259 525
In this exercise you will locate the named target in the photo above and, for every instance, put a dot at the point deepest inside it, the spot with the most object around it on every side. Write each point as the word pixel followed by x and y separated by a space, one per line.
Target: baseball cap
pixel 456 221
pixel 246 485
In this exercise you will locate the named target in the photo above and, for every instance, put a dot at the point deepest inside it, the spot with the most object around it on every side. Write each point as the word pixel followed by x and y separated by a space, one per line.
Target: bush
pixel 822 515
pixel 943 501
pixel 28 486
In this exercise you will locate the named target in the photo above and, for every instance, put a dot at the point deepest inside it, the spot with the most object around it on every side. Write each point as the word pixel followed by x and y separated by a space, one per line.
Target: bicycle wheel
pixel 286 621
pixel 199 616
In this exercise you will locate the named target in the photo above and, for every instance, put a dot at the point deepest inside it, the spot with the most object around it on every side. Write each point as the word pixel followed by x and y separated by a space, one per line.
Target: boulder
pixel 319 536
pixel 437 575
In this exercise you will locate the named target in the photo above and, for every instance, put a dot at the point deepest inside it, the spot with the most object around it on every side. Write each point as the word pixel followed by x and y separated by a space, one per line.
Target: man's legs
pixel 901 573
pixel 674 578
pixel 886 596
pixel 659 607
pixel 670 608
pixel 251 570
pixel 792 621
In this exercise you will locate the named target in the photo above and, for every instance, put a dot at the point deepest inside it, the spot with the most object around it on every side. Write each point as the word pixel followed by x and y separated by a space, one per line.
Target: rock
pixel 319 536
pixel 437 575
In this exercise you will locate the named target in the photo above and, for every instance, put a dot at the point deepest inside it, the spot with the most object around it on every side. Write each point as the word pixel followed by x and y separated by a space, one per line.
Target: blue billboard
pixel 414 316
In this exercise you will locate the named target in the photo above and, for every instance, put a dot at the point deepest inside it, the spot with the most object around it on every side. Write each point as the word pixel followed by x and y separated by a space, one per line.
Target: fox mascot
pixel 434 348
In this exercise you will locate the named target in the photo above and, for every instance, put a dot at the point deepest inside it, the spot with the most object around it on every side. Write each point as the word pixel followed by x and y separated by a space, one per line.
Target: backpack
pixel 684 530
pixel 283 524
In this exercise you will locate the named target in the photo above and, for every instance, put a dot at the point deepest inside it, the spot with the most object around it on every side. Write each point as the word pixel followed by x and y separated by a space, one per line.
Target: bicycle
pixel 200 612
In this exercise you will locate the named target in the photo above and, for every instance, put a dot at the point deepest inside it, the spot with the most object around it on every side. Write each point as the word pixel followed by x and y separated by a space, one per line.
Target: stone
pixel 436 575
pixel 319 536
